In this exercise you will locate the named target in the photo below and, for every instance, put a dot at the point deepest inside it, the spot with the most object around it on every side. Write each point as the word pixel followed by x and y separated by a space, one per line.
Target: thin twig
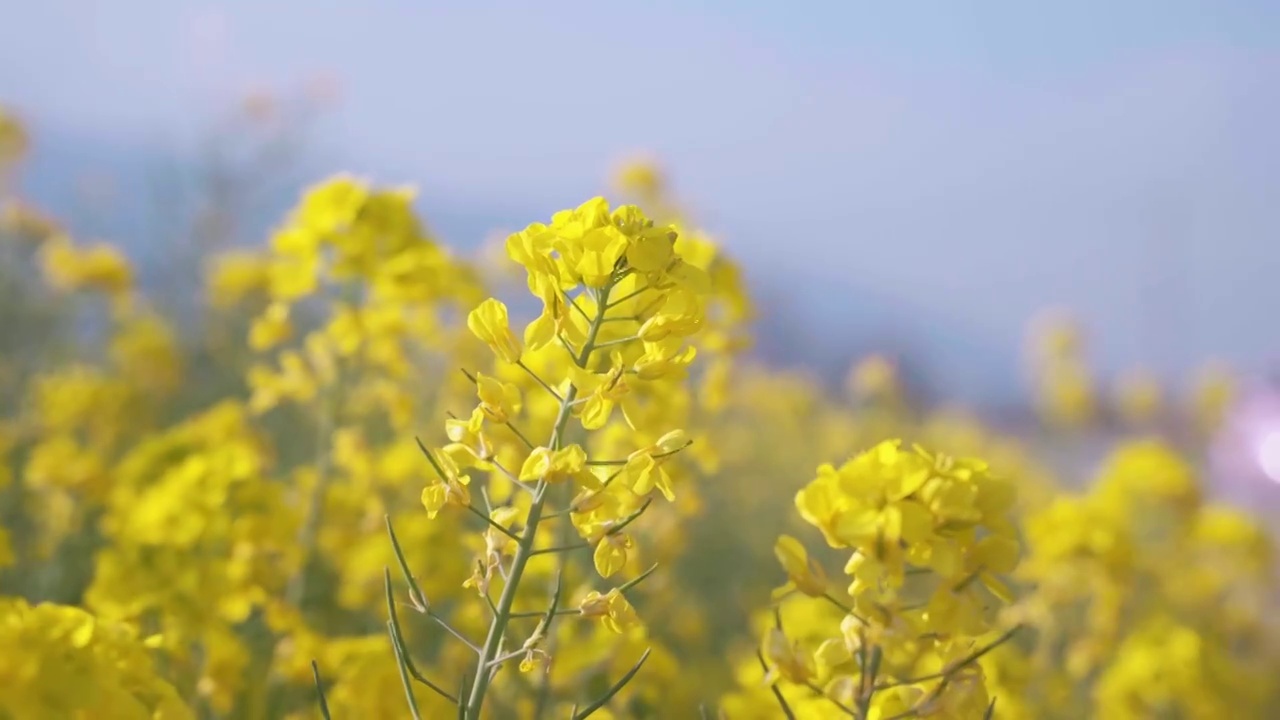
pixel 777 694
pixel 559 549
pixel 958 666
pixel 638 579
pixel 404 673
pixel 454 632
pixel 624 522
pixel 589 497
pixel 435 464
pixel 628 296
pixel 542 613
pixel 657 456
pixel 613 690
pixel 515 479
pixel 573 302
pixel 619 341
pixel 545 385
pixel 818 691
pixel 462 692
pixel 324 704
pixel 523 438
pixel 492 523
pixel 544 684
pixel 415 593
pixel 848 610
pixel 402 650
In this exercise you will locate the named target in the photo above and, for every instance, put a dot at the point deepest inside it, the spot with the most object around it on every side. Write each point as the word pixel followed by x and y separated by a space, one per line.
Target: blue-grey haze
pixel 919 177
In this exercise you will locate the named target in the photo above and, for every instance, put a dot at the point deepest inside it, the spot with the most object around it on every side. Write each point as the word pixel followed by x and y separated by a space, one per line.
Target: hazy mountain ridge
pixel 116 189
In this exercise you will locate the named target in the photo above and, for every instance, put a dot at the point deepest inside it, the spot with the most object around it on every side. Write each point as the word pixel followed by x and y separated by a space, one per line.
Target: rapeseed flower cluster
pixel 930 541
pixel 591 374
pixel 64 662
pixel 1154 599
pixel 374 477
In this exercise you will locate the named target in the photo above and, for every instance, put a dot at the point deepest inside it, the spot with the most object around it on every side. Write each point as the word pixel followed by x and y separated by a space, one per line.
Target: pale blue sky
pixel 934 171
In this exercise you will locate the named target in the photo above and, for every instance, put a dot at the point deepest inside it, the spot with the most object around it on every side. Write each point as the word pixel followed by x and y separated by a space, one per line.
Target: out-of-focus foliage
pixel 353 478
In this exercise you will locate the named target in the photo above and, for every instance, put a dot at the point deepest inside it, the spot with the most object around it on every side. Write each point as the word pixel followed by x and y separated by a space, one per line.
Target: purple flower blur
pixel 1244 460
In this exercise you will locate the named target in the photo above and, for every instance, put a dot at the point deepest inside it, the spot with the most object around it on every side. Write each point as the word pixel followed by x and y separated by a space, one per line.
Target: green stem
pixel 310 532
pixel 331 400
pixel 524 549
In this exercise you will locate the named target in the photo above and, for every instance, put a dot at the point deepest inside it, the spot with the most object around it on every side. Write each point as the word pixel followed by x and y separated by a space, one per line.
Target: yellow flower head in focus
pixel 612 609
pixel 786 659
pixel 803 574
pixel 489 323
pixel 568 463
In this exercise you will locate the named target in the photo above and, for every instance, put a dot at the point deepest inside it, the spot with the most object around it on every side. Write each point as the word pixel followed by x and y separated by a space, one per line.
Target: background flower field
pixel 350 469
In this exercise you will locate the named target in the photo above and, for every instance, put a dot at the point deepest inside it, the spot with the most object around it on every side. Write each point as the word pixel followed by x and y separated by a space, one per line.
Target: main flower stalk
pixel 524 550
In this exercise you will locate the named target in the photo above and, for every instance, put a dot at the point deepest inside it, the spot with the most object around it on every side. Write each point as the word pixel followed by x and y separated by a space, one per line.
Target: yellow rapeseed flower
pixel 488 322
